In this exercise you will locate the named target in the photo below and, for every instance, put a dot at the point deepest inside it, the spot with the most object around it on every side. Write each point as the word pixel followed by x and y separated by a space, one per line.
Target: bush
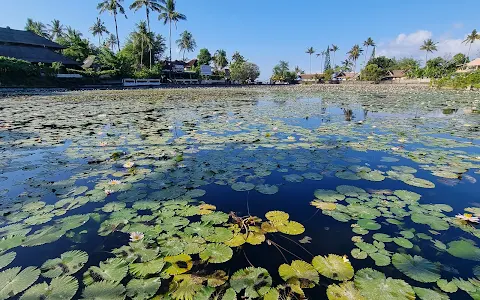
pixel 16 71
pixel 459 80
pixel 372 73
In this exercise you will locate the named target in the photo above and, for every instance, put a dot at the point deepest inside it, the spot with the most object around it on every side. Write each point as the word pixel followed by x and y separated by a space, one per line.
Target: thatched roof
pixel 310 76
pixel 397 73
pixel 20 37
pixel 474 63
pixel 35 54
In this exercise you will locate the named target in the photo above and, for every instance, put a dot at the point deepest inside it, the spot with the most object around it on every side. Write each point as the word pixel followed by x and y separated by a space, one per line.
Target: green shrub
pixel 459 80
pixel 16 71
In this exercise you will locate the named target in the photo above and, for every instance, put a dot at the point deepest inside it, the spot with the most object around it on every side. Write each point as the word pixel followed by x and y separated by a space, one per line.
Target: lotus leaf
pixel 104 290
pixel 220 235
pixel 300 270
pixel 434 222
pixel 416 267
pixel 201 229
pixel 193 245
pixel 323 205
pixel 374 175
pixel 359 254
pixel 143 288
pixel 290 227
pixel 366 247
pixel 237 240
pixel 449 287
pixel 312 176
pixel 347 175
pixel 293 178
pixel 329 195
pixel 408 196
pixel 333 266
pixel 277 216
pixel 372 283
pixel 464 249
pixel 172 246
pixel 147 268
pixel 382 237
pixel 344 291
pixel 68 263
pixel 184 287
pixel 113 270
pixel 418 182
pixel 403 242
pixel 369 224
pixel 6 259
pixel 64 287
pixel 179 264
pixel 381 260
pixel 254 237
pixel 464 285
pixel 13 281
pixel 251 280
pixel 216 253
pixel 243 186
pixel 267 189
pixel 427 294
pixel 215 218
pixel 350 191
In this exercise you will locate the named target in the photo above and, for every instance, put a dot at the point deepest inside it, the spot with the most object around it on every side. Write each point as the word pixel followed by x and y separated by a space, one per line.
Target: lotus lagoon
pixel 241 193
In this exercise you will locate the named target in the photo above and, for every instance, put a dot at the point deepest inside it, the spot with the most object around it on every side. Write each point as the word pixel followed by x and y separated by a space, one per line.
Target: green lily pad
pixel 427 294
pixel 343 291
pixel 464 249
pixel 298 269
pixel 216 253
pixel 416 267
pixel 372 283
pixel 333 266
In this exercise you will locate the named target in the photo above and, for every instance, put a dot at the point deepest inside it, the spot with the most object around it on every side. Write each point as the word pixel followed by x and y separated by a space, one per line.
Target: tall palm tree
pixel 142 37
pixel 220 59
pixel 36 27
pixel 99 29
pixel 298 71
pixel 354 54
pixel 369 42
pixel 471 38
pixel 310 51
pixel 321 55
pixel 346 65
pixel 114 7
pixel 55 29
pixel 334 49
pixel 186 42
pixel 169 15
pixel 428 46
pixel 111 41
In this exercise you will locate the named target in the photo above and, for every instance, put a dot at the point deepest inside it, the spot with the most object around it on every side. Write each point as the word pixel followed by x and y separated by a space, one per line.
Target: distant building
pixel 28 46
pixel 347 76
pixel 310 77
pixel 472 66
pixel 189 66
pixel 395 75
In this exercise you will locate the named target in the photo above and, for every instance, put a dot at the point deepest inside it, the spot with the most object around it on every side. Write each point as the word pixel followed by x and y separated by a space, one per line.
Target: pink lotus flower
pixel 136 236
pixel 108 192
pixel 275 128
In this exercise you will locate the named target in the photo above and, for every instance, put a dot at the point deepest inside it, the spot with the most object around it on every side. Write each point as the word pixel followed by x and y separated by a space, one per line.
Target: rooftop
pixel 21 37
pixel 34 54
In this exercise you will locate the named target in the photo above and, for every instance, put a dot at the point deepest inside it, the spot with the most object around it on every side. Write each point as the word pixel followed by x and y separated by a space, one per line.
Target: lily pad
pixel 216 253
pixel 298 269
pixel 372 283
pixel 334 267
pixel 416 267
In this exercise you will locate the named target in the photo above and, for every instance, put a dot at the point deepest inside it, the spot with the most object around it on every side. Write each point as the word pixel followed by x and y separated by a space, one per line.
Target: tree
pixel 436 68
pixel 99 29
pixel 55 28
pixel 204 57
pixel 428 46
pixel 220 59
pixel 298 71
pixel 237 57
pixel 143 38
pixel 334 49
pixel 327 65
pixel 244 71
pixel 354 54
pixel 140 44
pixel 186 42
pixel 76 47
pixel 346 65
pixel 169 15
pixel 373 53
pixel 471 38
pixel 36 27
pixel 282 73
pixel 310 51
pixel 384 63
pixel 407 64
pixel 367 43
pixel 321 55
pixel 114 7
pixel 111 41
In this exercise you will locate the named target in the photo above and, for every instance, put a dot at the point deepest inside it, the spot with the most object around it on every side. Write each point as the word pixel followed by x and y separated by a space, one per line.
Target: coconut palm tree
pixel 428 46
pixel 310 51
pixel 111 41
pixel 99 29
pixel 369 42
pixel 55 29
pixel 354 54
pixel 220 59
pixel 169 15
pixel 334 49
pixel 298 71
pixel 471 38
pixel 36 27
pixel 186 42
pixel 114 7
pixel 142 37
pixel 346 65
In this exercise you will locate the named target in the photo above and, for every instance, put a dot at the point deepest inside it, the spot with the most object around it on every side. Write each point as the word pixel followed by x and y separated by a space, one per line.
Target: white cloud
pixel 408 45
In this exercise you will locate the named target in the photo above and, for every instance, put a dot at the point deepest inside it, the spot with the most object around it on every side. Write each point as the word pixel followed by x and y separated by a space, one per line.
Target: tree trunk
pixel 149 32
pixel 116 29
pixel 141 56
pixel 468 53
pixel 99 42
pixel 171 66
pixel 426 58
pixel 334 59
pixel 310 63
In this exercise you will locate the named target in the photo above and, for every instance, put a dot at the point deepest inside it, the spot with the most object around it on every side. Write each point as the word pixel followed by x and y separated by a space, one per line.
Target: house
pixel 347 76
pixel 189 66
pixel 395 75
pixel 472 66
pixel 311 77
pixel 33 48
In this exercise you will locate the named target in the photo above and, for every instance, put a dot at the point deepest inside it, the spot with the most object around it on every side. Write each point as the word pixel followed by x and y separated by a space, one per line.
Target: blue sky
pixel 266 31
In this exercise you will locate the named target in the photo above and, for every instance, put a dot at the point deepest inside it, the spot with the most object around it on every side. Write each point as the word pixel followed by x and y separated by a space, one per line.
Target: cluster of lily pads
pixel 133 169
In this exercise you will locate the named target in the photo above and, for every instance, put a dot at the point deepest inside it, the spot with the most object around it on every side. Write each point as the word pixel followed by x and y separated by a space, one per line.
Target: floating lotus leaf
pixel 445 174
pixel 13 281
pixel 143 288
pixel 243 186
pixel 329 195
pixel 38 219
pixel 220 235
pixel 254 237
pixel 196 193
pixel 215 218
pixel 382 237
pixel 339 216
pixel 350 191
pixel 201 229
pixel 172 246
pixel 185 287
pixel 465 285
pixel 193 245
pixel 403 242
pixel 347 175
pixel 68 263
pixel 369 224
pixel 427 294
pixel 323 205
pixel 33 206
pixel 290 227
pixel 333 266
pixel 371 176
pixel 360 230
pixel 216 253
pixel 277 216
pixel 267 189
pixel 404 169
pixel 72 222
pixel 147 268
pixel 359 254
pixel 362 211
pixel 251 280
pixel 10 242
pixel 407 234
pixel 439 245
pixel 416 267
pixel 293 178
pixel 389 159
pixel 272 294
pixel 113 206
pixel 237 240
pixel 372 284
pixel 104 290
pixel 344 291
pixel 64 287
pixel 178 264
pixel 379 245
pixel 312 176
pixel 300 270
pixel 465 249
pixel 449 287
pixel 407 196
pixel 45 235
pixel 113 269
pixel 418 182
pixel 6 259
pixel 381 260
pixel 434 222
pixel 366 247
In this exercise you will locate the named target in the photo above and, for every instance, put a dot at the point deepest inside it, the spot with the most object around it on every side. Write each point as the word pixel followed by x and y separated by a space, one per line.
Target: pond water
pixel 228 194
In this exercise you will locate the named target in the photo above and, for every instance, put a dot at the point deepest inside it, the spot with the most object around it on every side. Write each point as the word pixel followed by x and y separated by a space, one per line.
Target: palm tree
pixel 114 7
pixel 321 55
pixel 310 51
pixel 471 38
pixel 55 29
pixel 346 65
pixel 169 15
pixel 369 42
pixel 36 27
pixel 334 49
pixel 298 71
pixel 428 46
pixel 99 29
pixel 186 42
pixel 220 59
pixel 111 41
pixel 354 54
pixel 141 37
